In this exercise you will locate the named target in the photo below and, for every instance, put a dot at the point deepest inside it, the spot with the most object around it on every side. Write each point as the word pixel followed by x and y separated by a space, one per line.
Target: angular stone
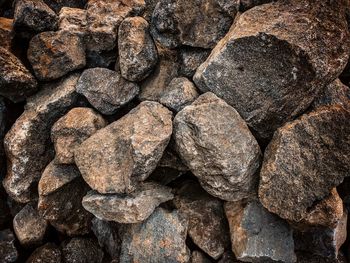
pixel 81 250
pixel 73 20
pixel 106 90
pixel 191 59
pixel 6 32
pixel 137 51
pixel 275 60
pixel 57 5
pixel 117 157
pixel 16 82
pixel 54 54
pixel 179 93
pixel 30 227
pixel 48 253
pixel 198 24
pixel 72 129
pixel 28 145
pixel 301 157
pixel 8 251
pixel 257 235
pixel 161 238
pixel 199 257
pixel 217 146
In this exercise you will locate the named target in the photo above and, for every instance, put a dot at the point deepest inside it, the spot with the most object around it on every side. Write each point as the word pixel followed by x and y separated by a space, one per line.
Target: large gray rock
pixel 8 251
pixel 82 250
pixel 217 146
pixel 48 253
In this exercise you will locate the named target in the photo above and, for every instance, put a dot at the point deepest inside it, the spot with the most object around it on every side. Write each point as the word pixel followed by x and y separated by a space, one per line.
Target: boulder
pixel 48 253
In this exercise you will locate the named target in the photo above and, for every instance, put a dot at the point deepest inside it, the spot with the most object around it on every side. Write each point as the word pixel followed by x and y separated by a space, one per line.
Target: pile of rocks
pixel 168 131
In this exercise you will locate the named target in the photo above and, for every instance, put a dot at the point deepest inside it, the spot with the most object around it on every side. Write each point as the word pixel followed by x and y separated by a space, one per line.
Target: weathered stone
pixel 199 24
pixel 217 146
pixel 301 157
pixel 73 20
pixel 48 253
pixel 161 238
pixel 72 129
pixel 61 190
pixel 105 89
pixel 179 93
pixel 207 225
pixel 150 5
pixel 28 145
pixel 82 250
pixel 57 5
pixel 199 257
pixel 137 51
pixel 117 157
pixel 275 60
pixel 6 32
pixel 191 59
pixel 29 226
pixel 257 235
pixel 8 251
pixel 54 54
pixel 16 82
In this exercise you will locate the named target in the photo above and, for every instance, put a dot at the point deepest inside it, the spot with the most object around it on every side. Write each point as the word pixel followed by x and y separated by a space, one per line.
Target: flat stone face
pixel 117 157
pixel 6 32
pixel 80 250
pixel 300 159
pixel 48 253
pixel 8 251
pixel 106 90
pixel 161 238
pixel 199 24
pixel 73 20
pixel 217 146
pixel 257 235
pixel 133 208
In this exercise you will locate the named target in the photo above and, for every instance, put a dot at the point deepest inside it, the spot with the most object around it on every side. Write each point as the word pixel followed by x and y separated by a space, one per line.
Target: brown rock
pixel 73 20
pixel 8 251
pixel 48 253
pixel 81 250
pixel 6 32
pixel 199 257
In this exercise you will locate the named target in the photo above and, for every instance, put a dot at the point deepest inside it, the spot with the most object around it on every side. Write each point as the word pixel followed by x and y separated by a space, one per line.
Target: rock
pixel 199 257
pixel 197 24
pixel 137 51
pixel 217 146
pixel 8 251
pixel 16 82
pixel 191 59
pixel 61 190
pixel 161 238
pixel 48 253
pixel 73 20
pixel 303 176
pixel 150 5
pixel 179 93
pixel 106 90
pixel 6 32
pixel 54 54
pixel 29 226
pixel 101 59
pixel 81 250
pixel 72 129
pixel 27 144
pixel 117 157
pixel 57 5
pixel 207 225
pixel 257 235
pixel 276 59
pixel 228 257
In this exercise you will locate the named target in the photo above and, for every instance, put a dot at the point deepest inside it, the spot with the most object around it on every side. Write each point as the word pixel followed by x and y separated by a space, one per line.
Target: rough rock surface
pixel 48 253
pixel 73 20
pixel 217 146
pixel 191 59
pixel 6 32
pixel 137 51
pixel 8 251
pixel 72 129
pixel 199 257
pixel 300 159
pixel 275 60
pixel 105 89
pixel 81 250
pixel 127 151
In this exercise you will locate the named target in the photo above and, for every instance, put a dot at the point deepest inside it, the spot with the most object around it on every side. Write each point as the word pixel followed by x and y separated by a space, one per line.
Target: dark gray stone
pixel 8 251
pixel 191 59
pixel 82 250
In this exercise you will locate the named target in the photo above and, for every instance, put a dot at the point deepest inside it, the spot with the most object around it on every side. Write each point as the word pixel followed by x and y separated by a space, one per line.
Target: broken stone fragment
pixel 54 54
pixel 16 82
pixel 301 157
pixel 258 235
pixel 6 32
pixel 127 151
pixel 191 59
pixel 199 257
pixel 80 250
pixel 276 59
pixel 217 146
pixel 105 89
pixel 8 251
pixel 73 20
pixel 48 253
pixel 72 129
pixel 161 238
pixel 57 5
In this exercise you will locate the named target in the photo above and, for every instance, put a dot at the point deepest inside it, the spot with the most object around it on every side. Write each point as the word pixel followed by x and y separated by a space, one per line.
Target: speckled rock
pixel 82 250
pixel 57 5
pixel 191 59
pixel 117 157
pixel 48 253
pixel 275 60
pixel 6 32
pixel 73 20
pixel 105 89
pixel 8 251
pixel 217 146
pixel 199 257
pixel 303 175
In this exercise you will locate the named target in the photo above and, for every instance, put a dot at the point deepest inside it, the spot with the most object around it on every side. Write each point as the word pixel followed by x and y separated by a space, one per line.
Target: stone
pixel 276 59
pixel 207 225
pixel 216 145
pixel 198 24
pixel 73 20
pixel 137 51
pixel 101 59
pixel 48 253
pixel 161 238
pixel 199 257
pixel 304 153
pixel 116 158
pixel 179 93
pixel 61 190
pixel 106 90
pixel 258 235
pixel 8 251
pixel 6 32
pixel 30 227
pixel 150 5
pixel 16 82
pixel 28 145
pixel 72 129
pixel 58 5
pixel 54 54
pixel 228 257
pixel 191 59
pixel 81 250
